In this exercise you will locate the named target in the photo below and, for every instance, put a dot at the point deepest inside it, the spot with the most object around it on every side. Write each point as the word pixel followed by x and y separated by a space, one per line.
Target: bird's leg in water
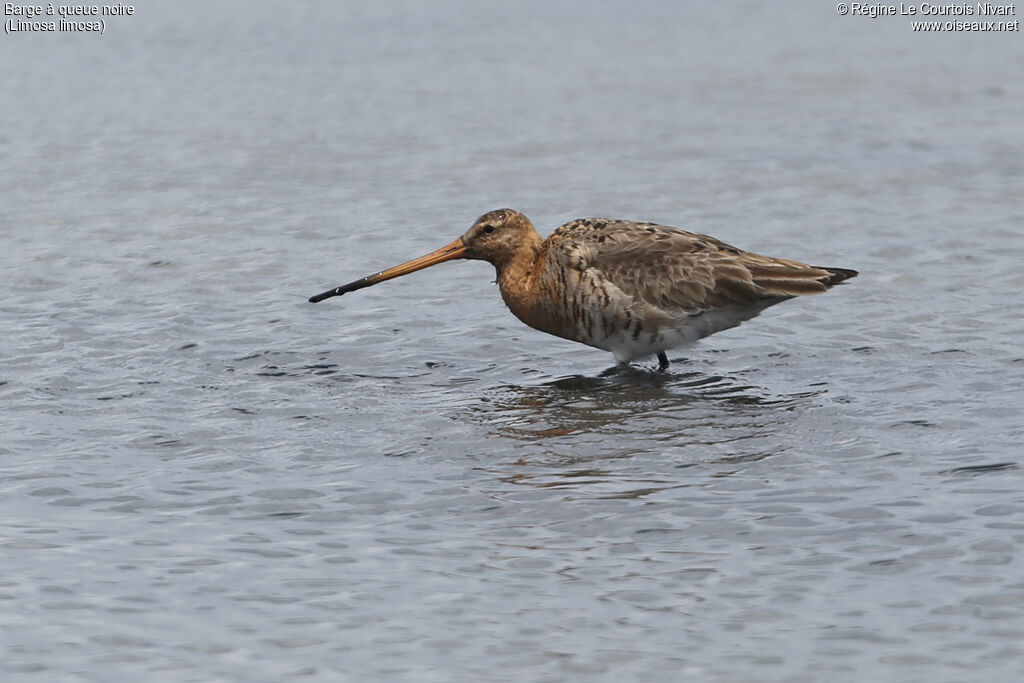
pixel 662 361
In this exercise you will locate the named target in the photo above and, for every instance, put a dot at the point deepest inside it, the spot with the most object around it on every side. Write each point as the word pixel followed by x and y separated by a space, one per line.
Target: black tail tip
pixel 837 275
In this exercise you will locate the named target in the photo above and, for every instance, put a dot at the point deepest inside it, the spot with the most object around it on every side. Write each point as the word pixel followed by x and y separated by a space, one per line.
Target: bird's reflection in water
pixel 578 430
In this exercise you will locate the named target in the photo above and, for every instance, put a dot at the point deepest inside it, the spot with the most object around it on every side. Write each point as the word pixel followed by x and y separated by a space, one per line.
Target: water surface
pixel 204 477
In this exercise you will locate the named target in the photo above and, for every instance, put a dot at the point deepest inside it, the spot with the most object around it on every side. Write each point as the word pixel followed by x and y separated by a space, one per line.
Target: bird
pixel 634 288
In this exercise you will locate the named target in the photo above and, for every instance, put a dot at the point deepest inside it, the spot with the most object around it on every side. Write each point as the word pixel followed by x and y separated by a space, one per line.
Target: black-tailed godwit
pixel 633 288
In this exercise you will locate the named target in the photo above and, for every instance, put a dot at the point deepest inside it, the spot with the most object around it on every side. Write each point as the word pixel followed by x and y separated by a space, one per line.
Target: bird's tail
pixel 837 275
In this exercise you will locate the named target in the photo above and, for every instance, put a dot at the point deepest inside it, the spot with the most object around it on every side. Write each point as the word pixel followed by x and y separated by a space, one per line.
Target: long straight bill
pixel 452 251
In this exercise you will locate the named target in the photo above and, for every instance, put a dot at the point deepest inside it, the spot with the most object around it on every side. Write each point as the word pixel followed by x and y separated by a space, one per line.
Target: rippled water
pixel 204 477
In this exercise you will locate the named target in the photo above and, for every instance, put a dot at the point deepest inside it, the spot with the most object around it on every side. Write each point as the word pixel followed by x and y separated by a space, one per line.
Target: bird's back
pixel 635 288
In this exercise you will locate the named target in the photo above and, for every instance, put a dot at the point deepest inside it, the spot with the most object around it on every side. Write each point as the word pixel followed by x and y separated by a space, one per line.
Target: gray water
pixel 203 477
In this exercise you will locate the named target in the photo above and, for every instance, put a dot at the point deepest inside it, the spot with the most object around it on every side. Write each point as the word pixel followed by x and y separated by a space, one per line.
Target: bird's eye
pixel 488 229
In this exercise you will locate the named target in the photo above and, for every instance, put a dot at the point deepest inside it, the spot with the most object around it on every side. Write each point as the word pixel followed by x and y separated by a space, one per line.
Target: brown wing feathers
pixel 777 277
pixel 673 268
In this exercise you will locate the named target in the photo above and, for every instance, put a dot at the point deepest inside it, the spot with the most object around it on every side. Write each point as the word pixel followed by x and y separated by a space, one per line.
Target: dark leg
pixel 662 361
